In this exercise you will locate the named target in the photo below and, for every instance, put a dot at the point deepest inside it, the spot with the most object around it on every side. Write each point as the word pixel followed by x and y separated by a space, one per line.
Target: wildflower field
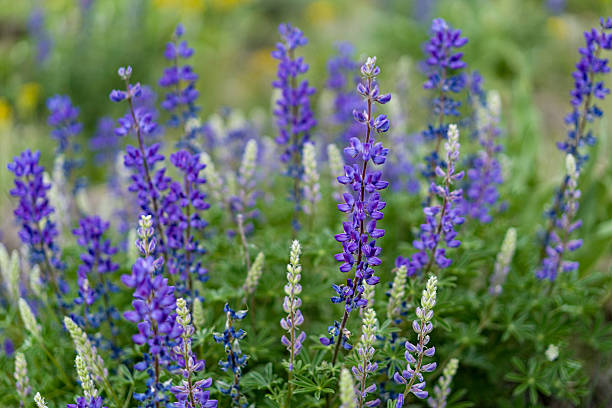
pixel 327 203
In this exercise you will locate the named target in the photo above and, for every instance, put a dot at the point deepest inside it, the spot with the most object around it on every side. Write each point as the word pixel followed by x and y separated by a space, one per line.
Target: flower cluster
pixel 347 390
pixel 415 353
pixel 365 354
pixel 502 263
pixel 294 116
pixel 253 276
pixel 362 204
pixel 396 294
pixel 336 166
pixel 105 142
pixel 97 258
pixel 242 201
pixel 87 351
pixel 153 312
pixel 147 182
pixel 444 76
pixel 40 33
pixel 441 219
pixel 22 382
pixel 442 390
pixel 586 89
pixel 235 360
pixel 189 394
pixel 291 306
pixel 559 241
pixel 33 212
pixel 485 172
pixel 179 80
pixel 181 216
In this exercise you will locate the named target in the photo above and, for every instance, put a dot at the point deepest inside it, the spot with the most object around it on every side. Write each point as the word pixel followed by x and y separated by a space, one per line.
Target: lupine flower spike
pixel 444 77
pixel 253 276
pixel 147 182
pixel 502 263
pixel 587 88
pixel 28 319
pixel 441 219
pixel 294 319
pixel 294 116
pixel 362 205
pixel 191 393
pixel 442 390
pixel 396 294
pixel 559 241
pixel 365 355
pixel 22 382
pixel 336 166
pixel 33 212
pixel 235 360
pixel 413 377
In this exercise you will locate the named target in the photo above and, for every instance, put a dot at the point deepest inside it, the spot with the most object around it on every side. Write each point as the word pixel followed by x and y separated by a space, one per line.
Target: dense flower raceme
pixel 485 172
pixel 181 215
pixel 347 390
pixel 96 261
pixel 445 78
pixel 153 312
pixel 502 263
pixel 235 360
pixel 587 88
pixel 179 80
pixel 22 382
pixel 38 231
pixel 560 242
pixel 365 354
pixel 294 116
pixel 243 198
pixel 341 79
pixel 146 181
pixel 105 142
pixel 310 178
pixel 441 219
pixel 412 376
pixel 291 306
pixel 190 393
pixel 362 203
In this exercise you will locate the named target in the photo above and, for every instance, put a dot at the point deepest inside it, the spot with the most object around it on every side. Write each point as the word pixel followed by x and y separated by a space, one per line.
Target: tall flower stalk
pixel 147 183
pixel 587 88
pixel 365 355
pixel 441 219
pixel 294 117
pixel 294 319
pixel 362 204
pixel 413 377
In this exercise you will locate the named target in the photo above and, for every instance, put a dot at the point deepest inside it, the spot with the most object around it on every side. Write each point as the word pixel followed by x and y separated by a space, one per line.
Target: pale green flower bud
pixel 28 319
pixel 347 391
pixel 198 313
pixel 398 291
pixel 312 190
pixel 253 275
pixel 87 384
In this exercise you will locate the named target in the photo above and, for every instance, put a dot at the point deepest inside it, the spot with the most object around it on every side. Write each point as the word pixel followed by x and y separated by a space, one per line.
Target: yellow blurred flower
pixel 6 113
pixel 227 5
pixel 557 27
pixel 320 11
pixel 28 97
pixel 261 61
pixel 181 5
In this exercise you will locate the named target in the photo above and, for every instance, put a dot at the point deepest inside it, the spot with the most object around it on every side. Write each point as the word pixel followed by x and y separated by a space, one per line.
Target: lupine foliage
pixel 125 312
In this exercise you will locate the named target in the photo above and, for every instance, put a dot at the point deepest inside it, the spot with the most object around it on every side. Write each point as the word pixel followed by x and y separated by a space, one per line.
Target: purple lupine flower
pixel 415 353
pixel 294 116
pixel 341 81
pixel 235 360
pixel 179 80
pixel 587 88
pixel 362 203
pixel 91 402
pixel 190 394
pixel 38 231
pixel 440 219
pixel 485 172
pixel 96 261
pixel 147 182
pixel 153 313
pixel 444 77
pixel 559 242
pixel 181 215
